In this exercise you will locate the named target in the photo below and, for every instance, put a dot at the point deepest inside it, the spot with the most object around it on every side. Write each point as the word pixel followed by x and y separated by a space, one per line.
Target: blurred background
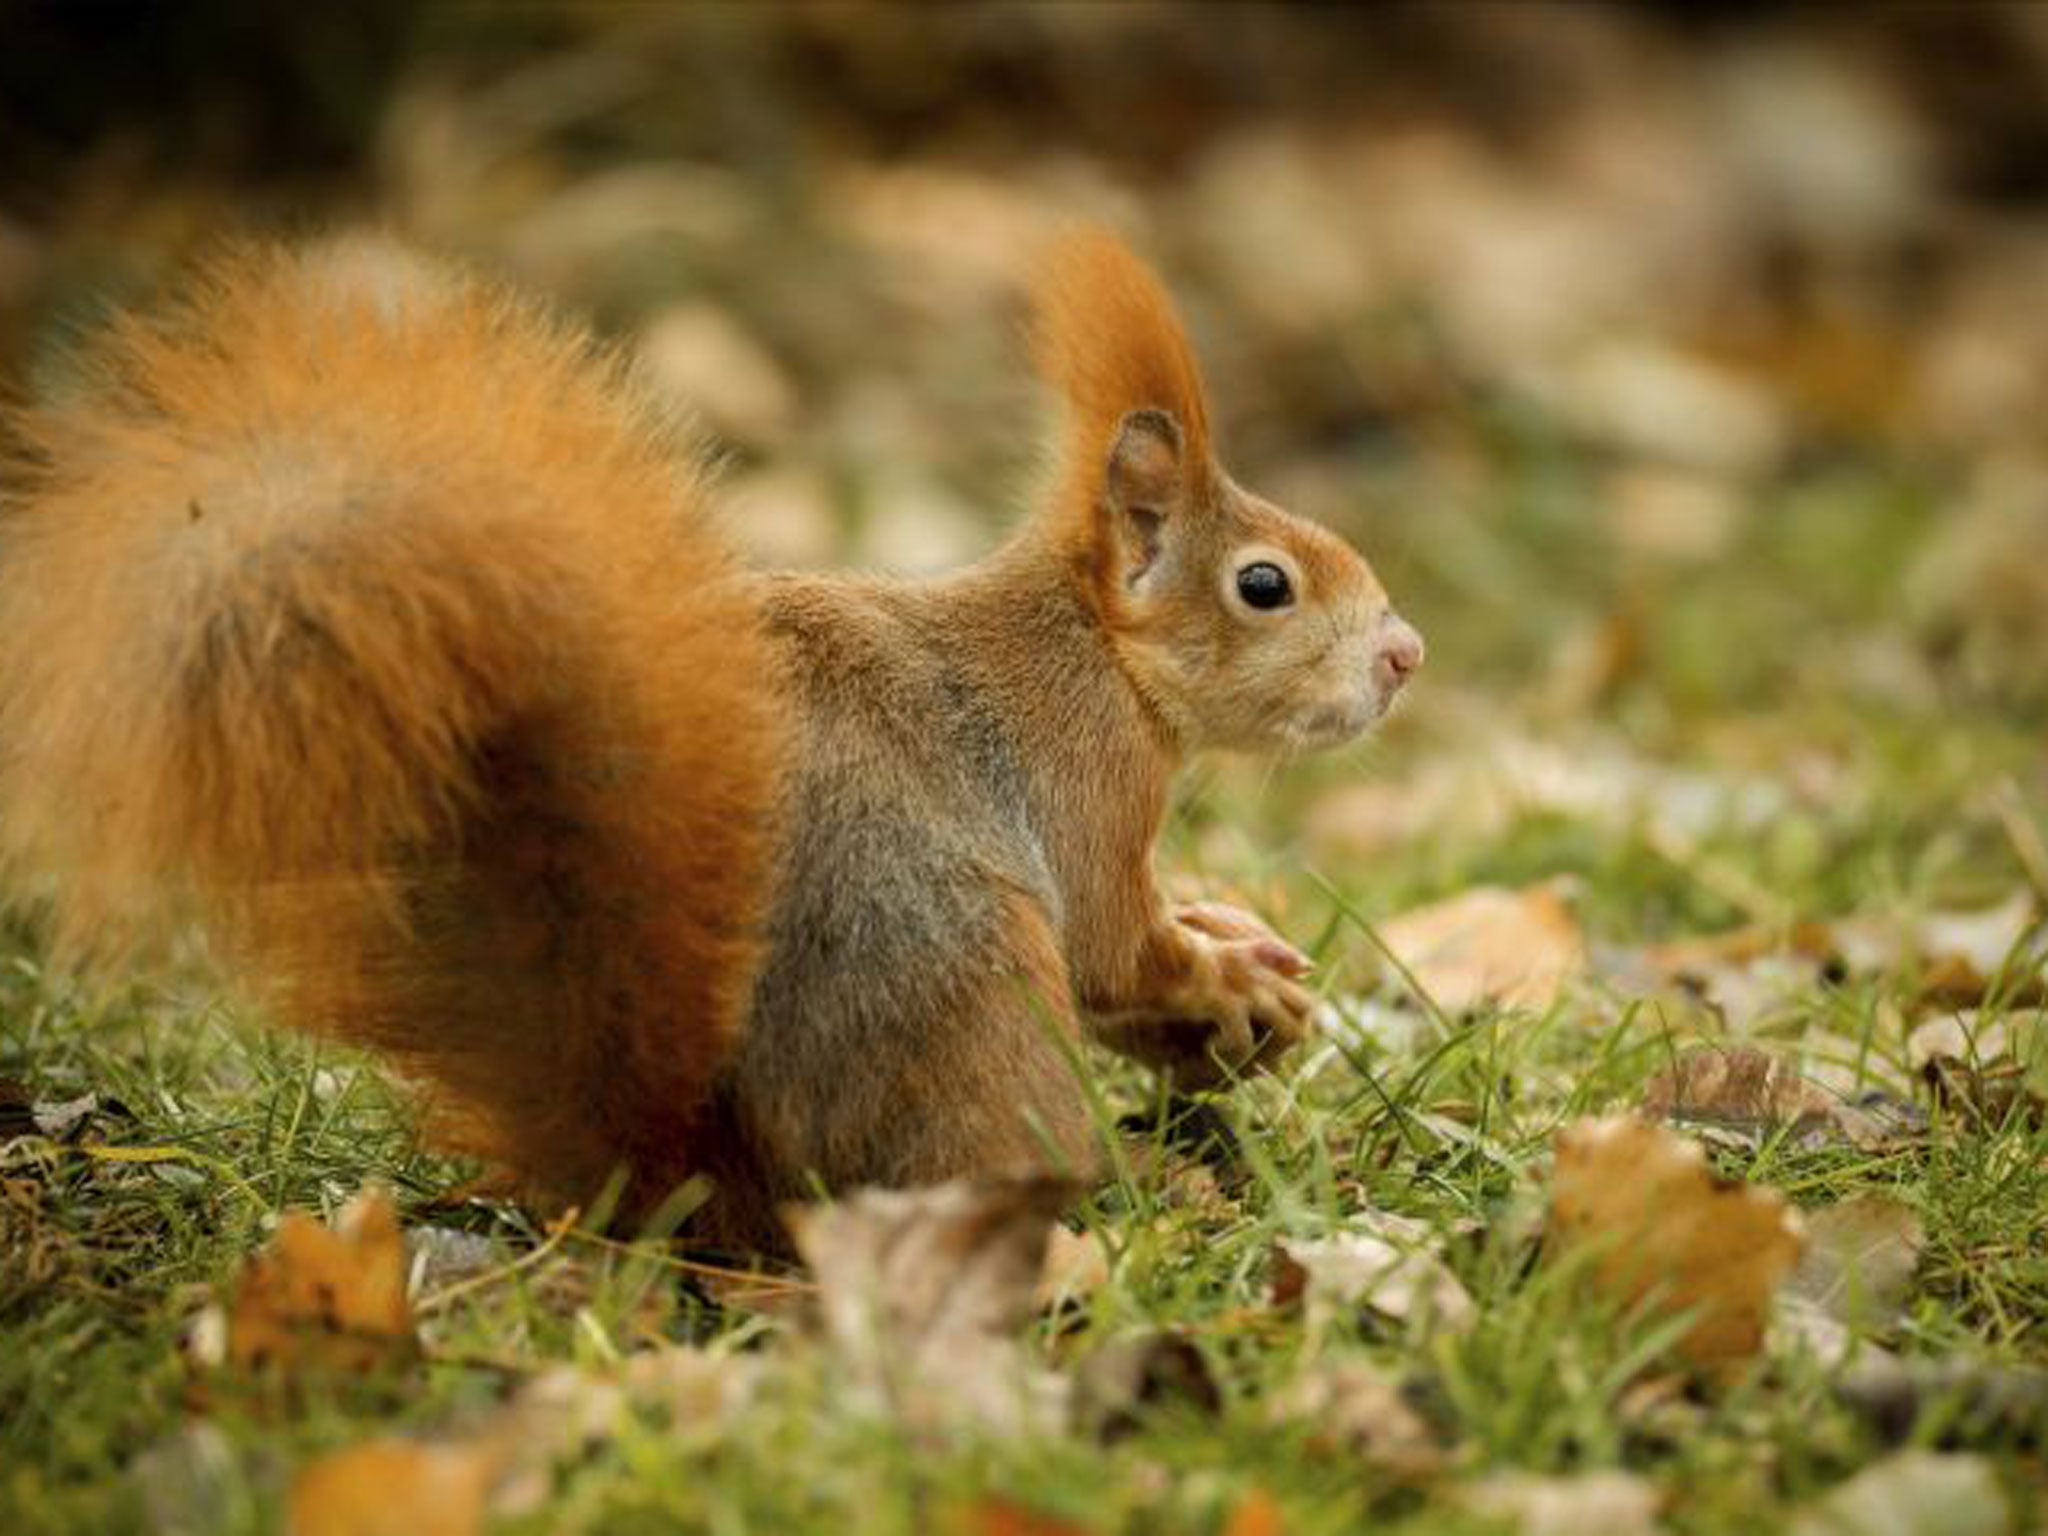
pixel 1682 368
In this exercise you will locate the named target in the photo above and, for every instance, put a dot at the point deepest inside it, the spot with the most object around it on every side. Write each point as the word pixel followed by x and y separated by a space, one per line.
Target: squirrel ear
pixel 1142 485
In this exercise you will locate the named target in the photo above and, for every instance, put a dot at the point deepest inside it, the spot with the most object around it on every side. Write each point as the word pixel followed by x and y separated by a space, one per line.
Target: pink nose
pixel 1400 652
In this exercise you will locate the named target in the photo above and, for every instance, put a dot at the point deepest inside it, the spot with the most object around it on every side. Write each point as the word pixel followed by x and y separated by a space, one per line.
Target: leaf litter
pixel 1658 1230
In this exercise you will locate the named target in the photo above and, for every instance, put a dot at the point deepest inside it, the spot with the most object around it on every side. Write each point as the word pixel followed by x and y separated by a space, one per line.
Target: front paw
pixel 1219 920
pixel 1236 1010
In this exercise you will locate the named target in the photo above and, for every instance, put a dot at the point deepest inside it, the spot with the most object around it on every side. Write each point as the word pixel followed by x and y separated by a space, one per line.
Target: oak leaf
pixel 1660 1230
pixel 1490 945
pixel 319 1298
pixel 922 1295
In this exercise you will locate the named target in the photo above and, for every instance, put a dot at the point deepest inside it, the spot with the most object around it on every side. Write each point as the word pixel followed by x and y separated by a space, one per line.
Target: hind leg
pixel 963 1066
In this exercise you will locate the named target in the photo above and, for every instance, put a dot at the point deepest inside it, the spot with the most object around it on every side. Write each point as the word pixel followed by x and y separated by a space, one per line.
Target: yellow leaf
pixel 1490 945
pixel 324 1298
pixel 1257 1514
pixel 1662 1230
pixel 393 1488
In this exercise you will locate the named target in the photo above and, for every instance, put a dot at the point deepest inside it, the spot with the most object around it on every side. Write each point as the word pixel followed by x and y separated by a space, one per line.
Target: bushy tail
pixel 373 620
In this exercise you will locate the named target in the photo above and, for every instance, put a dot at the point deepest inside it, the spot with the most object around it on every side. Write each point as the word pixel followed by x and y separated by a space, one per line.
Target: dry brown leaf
pixel 504 1465
pixel 1339 1276
pixel 1661 1229
pixel 700 356
pixel 1740 1086
pixel 1737 946
pixel 1953 957
pixel 565 1412
pixel 1490 945
pixel 1854 1274
pixel 394 1488
pixel 1744 975
pixel 1076 1266
pixel 1256 1514
pixel 1963 952
pixel 1352 1409
pixel 320 1298
pixel 1983 1037
pixel 1859 1259
pixel 922 1295
pixel 1989 1067
pixel 1756 1093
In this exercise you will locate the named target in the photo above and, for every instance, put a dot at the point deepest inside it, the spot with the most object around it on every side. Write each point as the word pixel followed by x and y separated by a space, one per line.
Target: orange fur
pixel 1106 336
pixel 373 617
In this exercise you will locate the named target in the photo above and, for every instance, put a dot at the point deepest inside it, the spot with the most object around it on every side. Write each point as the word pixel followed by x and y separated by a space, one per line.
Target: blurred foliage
pixel 1604 330
pixel 1681 367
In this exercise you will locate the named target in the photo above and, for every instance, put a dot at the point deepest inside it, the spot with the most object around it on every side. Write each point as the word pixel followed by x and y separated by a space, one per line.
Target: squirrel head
pixel 1243 625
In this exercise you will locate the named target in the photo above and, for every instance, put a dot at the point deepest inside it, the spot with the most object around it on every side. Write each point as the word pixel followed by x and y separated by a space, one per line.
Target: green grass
pixel 106 1261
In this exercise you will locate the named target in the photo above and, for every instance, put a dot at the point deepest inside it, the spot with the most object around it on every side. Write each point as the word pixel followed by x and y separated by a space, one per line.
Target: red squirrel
pixel 373 619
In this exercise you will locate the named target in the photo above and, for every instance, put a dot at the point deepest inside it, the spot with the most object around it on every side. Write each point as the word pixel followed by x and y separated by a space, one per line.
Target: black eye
pixel 1264 585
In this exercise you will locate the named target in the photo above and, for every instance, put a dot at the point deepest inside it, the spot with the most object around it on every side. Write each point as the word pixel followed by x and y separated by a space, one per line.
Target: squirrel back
pixel 374 618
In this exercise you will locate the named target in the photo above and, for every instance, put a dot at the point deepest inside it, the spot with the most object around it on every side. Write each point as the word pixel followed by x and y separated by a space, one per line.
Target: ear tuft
pixel 1108 339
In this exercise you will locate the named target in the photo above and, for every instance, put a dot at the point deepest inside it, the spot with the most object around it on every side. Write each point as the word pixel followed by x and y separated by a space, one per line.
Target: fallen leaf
pixel 1000 1517
pixel 565 1412
pixel 1590 1504
pixel 1983 1037
pixel 320 1298
pixel 1350 1408
pixel 1737 946
pixel 1964 952
pixel 1118 1384
pixel 447 1255
pixel 73 1121
pixel 1953 957
pixel 505 1465
pixel 1989 1096
pixel 394 1488
pixel 1988 1066
pixel 1256 1514
pixel 1076 1266
pixel 1660 1229
pixel 1757 1093
pixel 1335 1278
pixel 1740 1086
pixel 922 1295
pixel 1913 1493
pixel 1672 514
pixel 1859 1259
pixel 783 517
pixel 1490 945
pixel 1746 995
